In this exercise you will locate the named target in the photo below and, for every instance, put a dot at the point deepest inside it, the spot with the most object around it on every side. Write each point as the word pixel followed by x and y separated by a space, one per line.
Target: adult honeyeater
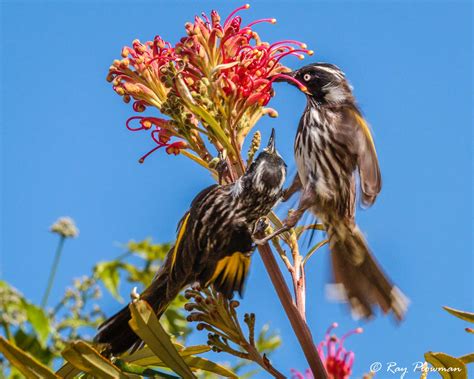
pixel 333 143
pixel 213 245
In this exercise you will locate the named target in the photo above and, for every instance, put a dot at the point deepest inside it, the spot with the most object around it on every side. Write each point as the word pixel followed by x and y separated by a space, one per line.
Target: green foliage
pixel 147 257
pixel 447 366
pixel 146 325
pixel 35 338
pixel 218 315
pixel 39 321
pixel 466 316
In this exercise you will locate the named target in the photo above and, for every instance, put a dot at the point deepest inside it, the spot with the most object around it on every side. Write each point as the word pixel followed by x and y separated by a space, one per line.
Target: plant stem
pixel 298 276
pixel 297 322
pixel 54 268
pixel 263 362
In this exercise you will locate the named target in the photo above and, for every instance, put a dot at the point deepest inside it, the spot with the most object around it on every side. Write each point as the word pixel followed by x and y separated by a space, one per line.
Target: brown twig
pixel 297 322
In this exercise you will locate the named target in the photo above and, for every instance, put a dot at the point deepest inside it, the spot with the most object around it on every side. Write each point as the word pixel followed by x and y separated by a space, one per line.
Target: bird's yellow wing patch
pixel 230 273
pixel 369 170
pixel 365 128
pixel 181 231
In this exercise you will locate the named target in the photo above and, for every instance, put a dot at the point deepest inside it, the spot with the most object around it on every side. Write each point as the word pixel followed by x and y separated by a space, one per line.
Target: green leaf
pixel 267 340
pixel 448 367
pixel 29 343
pixel 110 276
pixel 26 364
pixel 68 371
pixel 207 365
pixel 39 321
pixel 466 316
pixel 143 371
pixel 146 357
pixel 87 359
pixel 148 250
pixel 146 325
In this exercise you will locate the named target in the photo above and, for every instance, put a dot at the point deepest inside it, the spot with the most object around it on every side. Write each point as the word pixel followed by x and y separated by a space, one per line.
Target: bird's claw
pixel 261 226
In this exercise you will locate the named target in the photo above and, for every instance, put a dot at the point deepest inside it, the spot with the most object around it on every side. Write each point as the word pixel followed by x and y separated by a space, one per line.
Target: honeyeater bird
pixel 213 245
pixel 333 144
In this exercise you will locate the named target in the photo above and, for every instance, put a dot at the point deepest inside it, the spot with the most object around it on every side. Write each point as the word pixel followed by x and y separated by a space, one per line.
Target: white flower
pixel 65 227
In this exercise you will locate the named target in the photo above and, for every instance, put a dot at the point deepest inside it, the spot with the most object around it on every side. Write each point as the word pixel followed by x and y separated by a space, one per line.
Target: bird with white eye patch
pixel 333 144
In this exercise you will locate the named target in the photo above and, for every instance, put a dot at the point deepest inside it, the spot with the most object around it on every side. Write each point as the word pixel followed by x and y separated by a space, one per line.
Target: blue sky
pixel 65 151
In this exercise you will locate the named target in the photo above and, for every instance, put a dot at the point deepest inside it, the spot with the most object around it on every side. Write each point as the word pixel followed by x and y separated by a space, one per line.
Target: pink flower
pixel 336 359
pixel 295 374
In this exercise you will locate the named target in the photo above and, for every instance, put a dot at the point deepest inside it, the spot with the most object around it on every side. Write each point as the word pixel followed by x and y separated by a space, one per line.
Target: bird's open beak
pixel 271 143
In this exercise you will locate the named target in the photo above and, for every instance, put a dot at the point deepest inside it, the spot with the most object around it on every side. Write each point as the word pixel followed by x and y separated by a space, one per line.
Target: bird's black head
pixel 267 173
pixel 324 82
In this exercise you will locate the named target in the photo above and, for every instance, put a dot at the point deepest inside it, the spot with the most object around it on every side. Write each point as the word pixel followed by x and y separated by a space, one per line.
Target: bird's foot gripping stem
pixel 291 220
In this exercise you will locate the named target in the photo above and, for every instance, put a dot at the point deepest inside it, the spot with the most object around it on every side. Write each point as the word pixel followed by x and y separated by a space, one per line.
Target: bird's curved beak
pixel 271 143
pixel 290 78
pixel 283 79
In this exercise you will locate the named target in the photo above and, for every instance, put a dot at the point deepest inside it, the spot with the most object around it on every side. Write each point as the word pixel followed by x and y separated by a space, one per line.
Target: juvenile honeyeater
pixel 334 146
pixel 213 244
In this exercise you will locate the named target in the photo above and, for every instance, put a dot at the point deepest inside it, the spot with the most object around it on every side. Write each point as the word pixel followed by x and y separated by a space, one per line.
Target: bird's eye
pixel 306 77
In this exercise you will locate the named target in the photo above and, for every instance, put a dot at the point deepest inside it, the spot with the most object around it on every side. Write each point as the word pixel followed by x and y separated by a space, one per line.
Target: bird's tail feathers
pixel 115 335
pixel 359 278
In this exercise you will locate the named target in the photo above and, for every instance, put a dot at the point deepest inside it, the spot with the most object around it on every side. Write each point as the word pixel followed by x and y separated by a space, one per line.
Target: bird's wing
pixel 185 229
pixel 367 161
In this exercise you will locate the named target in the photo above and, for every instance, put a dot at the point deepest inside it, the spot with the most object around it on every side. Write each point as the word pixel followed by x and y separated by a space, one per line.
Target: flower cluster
pixel 65 227
pixel 215 82
pixel 337 360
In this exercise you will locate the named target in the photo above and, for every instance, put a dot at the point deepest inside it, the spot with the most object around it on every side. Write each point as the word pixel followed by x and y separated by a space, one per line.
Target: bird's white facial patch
pixel 334 93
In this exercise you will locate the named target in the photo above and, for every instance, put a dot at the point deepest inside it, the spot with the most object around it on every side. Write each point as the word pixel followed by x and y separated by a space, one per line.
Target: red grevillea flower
pixel 337 360
pixel 240 62
pixel 295 374
pixel 160 133
pixel 138 74
pixel 219 76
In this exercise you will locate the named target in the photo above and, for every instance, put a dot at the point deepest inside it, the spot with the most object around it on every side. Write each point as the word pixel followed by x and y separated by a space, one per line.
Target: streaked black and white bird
pixel 213 245
pixel 333 144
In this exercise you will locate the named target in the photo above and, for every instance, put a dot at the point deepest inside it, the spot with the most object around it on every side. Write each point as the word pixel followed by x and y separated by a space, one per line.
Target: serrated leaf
pixel 466 316
pixel 23 362
pixel 448 367
pixel 39 321
pixel 109 274
pixel 146 325
pixel 87 359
